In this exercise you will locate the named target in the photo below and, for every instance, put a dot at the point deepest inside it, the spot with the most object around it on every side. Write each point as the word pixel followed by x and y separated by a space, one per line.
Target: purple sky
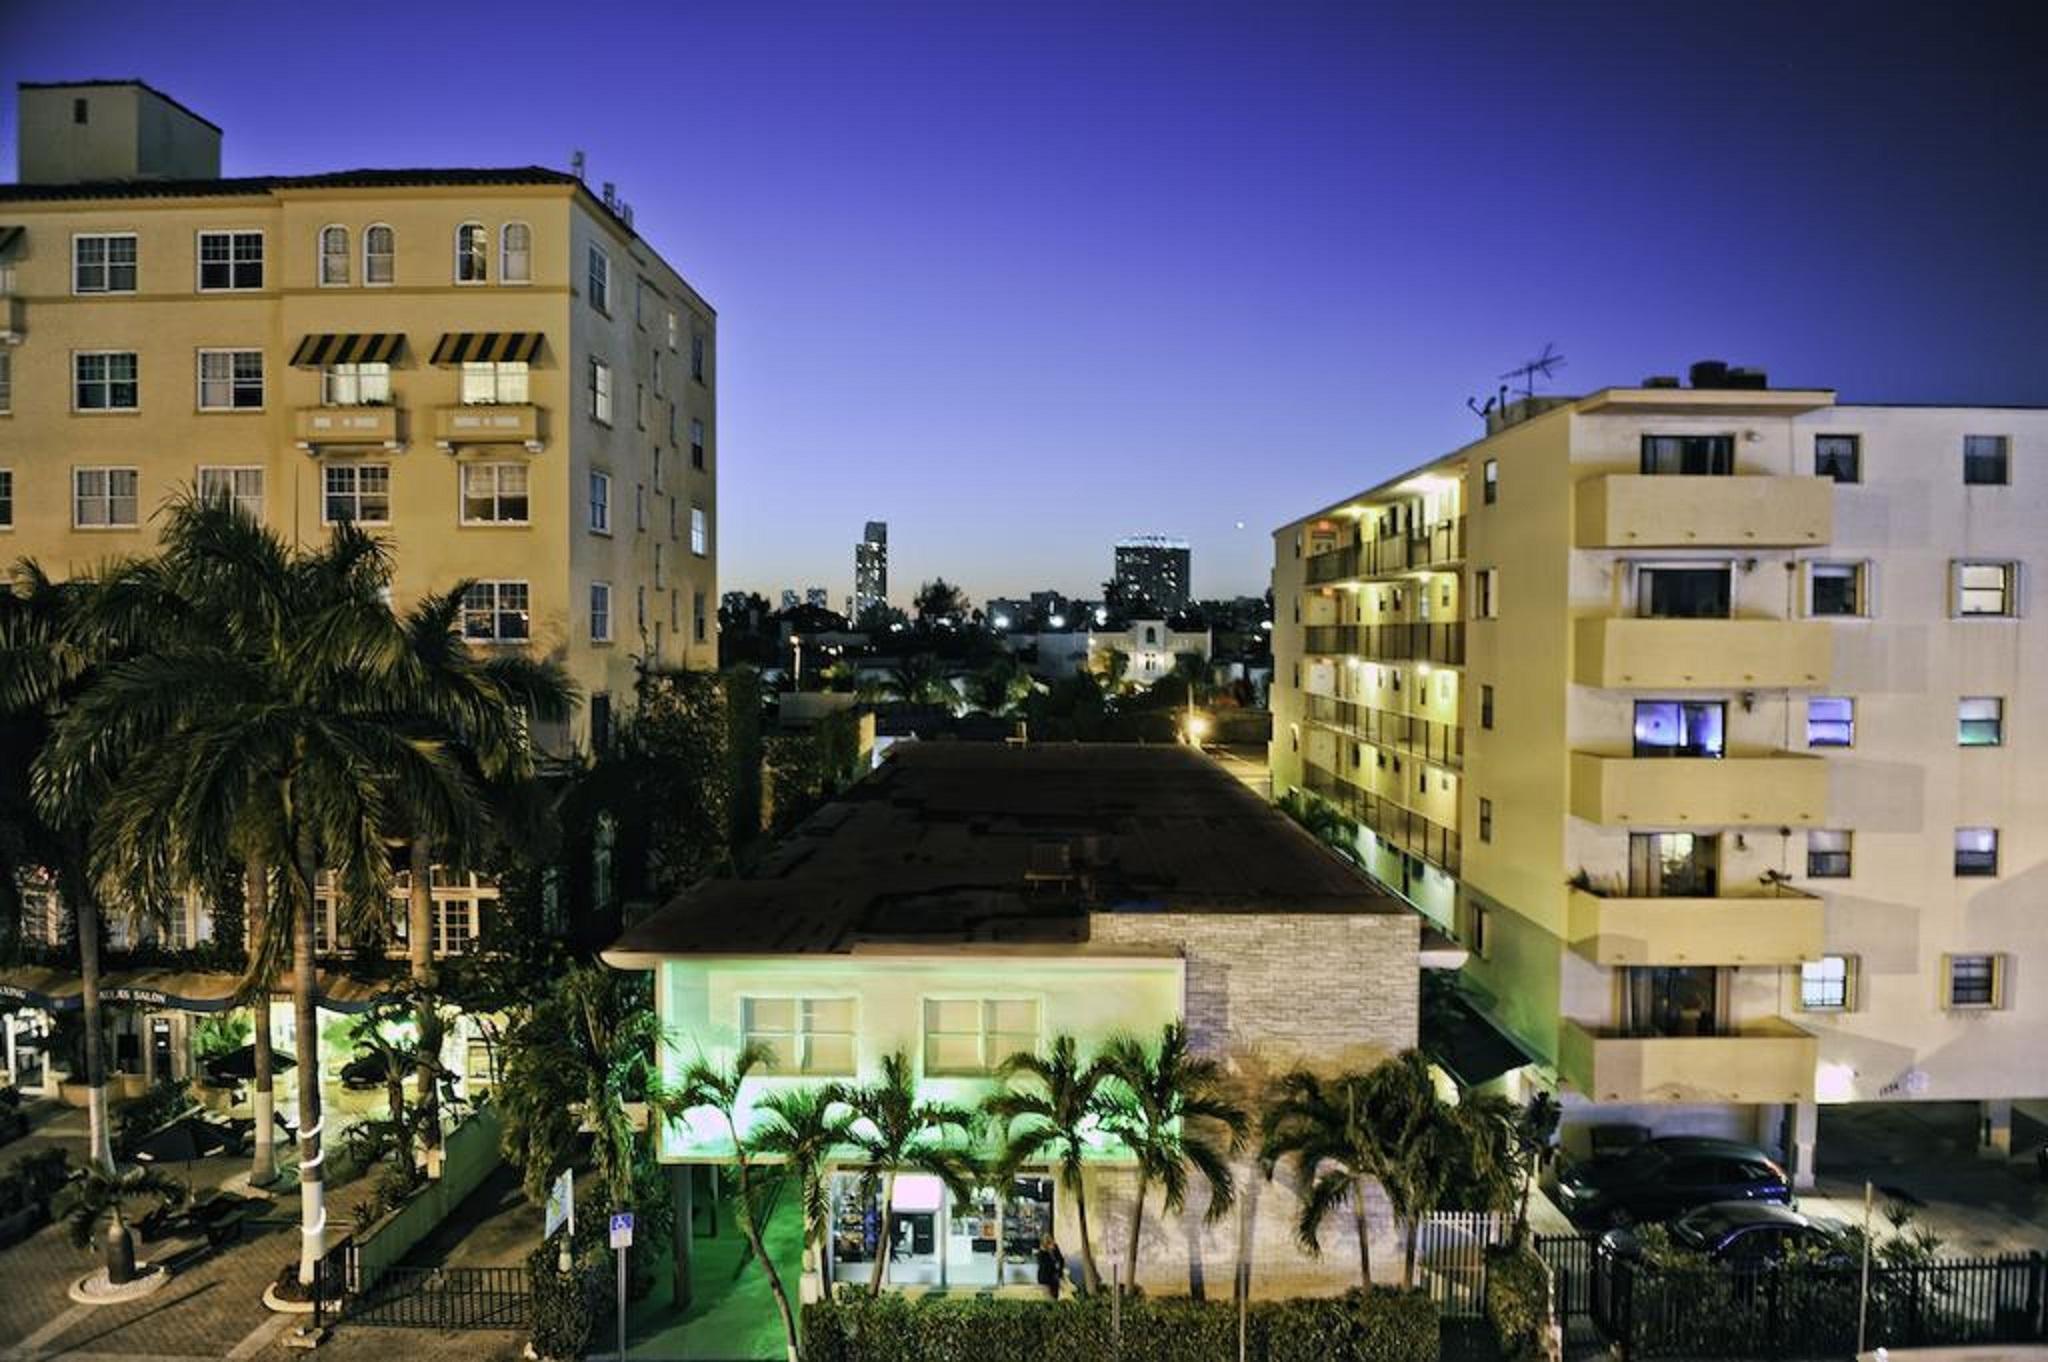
pixel 1021 279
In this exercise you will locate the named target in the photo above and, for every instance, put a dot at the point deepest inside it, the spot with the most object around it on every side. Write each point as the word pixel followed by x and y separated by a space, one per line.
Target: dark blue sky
pixel 1023 278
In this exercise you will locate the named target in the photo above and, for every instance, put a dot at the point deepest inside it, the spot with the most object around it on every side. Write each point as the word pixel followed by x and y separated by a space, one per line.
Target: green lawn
pixel 733 1318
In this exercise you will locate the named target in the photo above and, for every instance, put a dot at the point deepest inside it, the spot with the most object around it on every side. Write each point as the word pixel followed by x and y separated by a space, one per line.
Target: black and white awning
pixel 318 352
pixel 484 347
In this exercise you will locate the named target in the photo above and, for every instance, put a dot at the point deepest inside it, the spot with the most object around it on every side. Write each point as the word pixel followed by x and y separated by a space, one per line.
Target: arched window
pixel 379 245
pixel 333 256
pixel 470 254
pixel 515 254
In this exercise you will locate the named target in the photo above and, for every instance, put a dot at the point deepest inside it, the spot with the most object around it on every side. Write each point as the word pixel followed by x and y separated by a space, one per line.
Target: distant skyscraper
pixel 789 598
pixel 1152 569
pixel 817 596
pixel 871 568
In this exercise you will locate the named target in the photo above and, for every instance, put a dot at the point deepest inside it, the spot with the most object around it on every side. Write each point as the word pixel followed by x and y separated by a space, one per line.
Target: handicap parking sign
pixel 622 1229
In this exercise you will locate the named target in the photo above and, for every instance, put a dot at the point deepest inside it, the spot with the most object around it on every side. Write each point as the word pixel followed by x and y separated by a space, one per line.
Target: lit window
pixel 515 253
pixel 975 1035
pixel 1974 981
pixel 1980 721
pixel 675 331
pixel 495 612
pixel 103 263
pixel 333 256
pixel 1828 853
pixel 1680 728
pixel 380 246
pixel 700 532
pixel 1688 454
pixel 230 380
pixel 1489 481
pixel 1827 984
pixel 1830 721
pixel 600 276
pixel 1985 590
pixel 242 486
pixel 601 503
pixel 1976 852
pixel 472 254
pixel 1838 457
pixel 494 494
pixel 230 261
pixel 357 492
pixel 600 612
pixel 104 380
pixel 104 498
pixel 487 383
pixel 356 385
pixel 600 392
pixel 802 1035
pixel 1987 461
pixel 1837 589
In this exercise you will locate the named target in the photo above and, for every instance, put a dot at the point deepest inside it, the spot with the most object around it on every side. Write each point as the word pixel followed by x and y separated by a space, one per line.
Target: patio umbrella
pixel 182 1141
pixel 240 1065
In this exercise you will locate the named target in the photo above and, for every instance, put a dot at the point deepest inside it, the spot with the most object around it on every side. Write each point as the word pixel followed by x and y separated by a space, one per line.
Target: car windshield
pixel 1700 1229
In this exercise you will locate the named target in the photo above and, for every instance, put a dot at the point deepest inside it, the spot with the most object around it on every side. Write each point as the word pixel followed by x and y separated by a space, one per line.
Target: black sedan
pixel 1668 1176
pixel 1739 1234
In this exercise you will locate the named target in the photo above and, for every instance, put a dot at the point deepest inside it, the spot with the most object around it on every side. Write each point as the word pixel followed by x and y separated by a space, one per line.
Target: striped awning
pixel 10 240
pixel 465 347
pixel 317 352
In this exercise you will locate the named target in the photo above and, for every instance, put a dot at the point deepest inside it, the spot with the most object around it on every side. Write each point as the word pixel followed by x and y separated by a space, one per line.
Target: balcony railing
pixel 1429 739
pixel 1333 565
pixel 516 423
pixel 1444 643
pixel 1432 546
pixel 1393 824
pixel 320 426
pixel 1783 928
pixel 1764 1061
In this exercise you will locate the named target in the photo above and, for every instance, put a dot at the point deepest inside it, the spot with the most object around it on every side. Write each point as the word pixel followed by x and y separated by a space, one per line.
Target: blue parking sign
pixel 622 1229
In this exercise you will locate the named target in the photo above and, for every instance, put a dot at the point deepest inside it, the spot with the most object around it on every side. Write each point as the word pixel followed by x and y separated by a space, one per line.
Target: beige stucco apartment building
pixel 489 367
pixel 1709 718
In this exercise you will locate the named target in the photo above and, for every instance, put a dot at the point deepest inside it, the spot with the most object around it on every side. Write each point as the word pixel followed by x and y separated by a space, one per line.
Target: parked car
pixel 1668 1176
pixel 1738 1233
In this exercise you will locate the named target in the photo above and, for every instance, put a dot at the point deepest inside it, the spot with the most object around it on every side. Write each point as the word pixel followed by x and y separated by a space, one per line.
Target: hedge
pixel 1380 1326
pixel 1517 1302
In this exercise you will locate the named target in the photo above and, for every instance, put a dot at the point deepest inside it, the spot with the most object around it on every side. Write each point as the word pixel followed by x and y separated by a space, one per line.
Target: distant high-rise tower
pixel 871 568
pixel 1152 571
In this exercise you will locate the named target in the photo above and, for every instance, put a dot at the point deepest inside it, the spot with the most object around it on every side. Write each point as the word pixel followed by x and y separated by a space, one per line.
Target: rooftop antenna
pixel 1539 367
pixel 576 163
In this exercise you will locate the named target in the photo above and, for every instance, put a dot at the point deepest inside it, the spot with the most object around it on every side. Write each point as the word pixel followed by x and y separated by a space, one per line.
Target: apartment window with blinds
pixel 700 532
pixel 600 392
pixel 103 263
pixel 1985 590
pixel 1980 721
pixel 380 250
pixel 600 612
pixel 1838 589
pixel 1838 457
pixel 6 381
pixel 104 498
pixel 230 261
pixel 230 380
pixel 813 1036
pixel 1830 721
pixel 515 253
pixel 1489 481
pixel 104 380
pixel 7 499
pixel 1827 984
pixel 600 503
pixel 243 486
pixel 1987 461
pixel 494 494
pixel 472 254
pixel 358 492
pixel 1828 854
pixel 1976 852
pixel 333 256
pixel 975 1035
pixel 489 383
pixel 356 385
pixel 600 281
pixel 1973 981
pixel 496 612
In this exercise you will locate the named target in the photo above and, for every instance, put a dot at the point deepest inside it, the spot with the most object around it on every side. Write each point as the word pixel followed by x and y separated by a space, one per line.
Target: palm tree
pixel 719 1089
pixel 802 1126
pixel 896 1132
pixel 1436 1155
pixel 1535 1126
pixel 1052 1123
pixel 1000 686
pixel 46 661
pixel 102 1194
pixel 1164 1107
pixel 277 710
pixel 1325 1130
pixel 919 680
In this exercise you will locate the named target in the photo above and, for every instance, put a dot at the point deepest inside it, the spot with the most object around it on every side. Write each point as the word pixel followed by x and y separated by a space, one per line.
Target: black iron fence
pixel 417 1297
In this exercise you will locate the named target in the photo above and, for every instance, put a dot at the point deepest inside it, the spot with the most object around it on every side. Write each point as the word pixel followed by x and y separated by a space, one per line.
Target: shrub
pixel 1517 1301
pixel 565 1308
pixel 164 1102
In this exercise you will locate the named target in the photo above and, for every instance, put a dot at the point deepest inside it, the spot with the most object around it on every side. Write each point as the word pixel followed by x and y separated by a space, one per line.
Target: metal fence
pixel 418 1297
pixel 1450 1258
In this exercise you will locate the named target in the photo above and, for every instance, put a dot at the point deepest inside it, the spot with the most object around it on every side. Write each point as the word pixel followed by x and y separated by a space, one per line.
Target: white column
pixel 1803 1131
pixel 1994 1128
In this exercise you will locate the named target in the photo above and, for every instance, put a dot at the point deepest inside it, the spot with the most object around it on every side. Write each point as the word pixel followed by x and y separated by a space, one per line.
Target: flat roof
pixel 114 83
pixel 952 844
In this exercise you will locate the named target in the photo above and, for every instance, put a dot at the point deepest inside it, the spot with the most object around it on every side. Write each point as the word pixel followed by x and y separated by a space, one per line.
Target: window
pixel 1839 457
pixel 1827 984
pixel 1985 589
pixel 6 380
pixel 675 331
pixel 356 385
pixel 1688 454
pixel 697 444
pixel 104 380
pixel 600 392
pixel 333 257
pixel 697 355
pixel 698 616
pixel 672 519
pixel 487 383
pixel 494 494
pixel 230 380
pixel 975 1035
pixel 495 612
pixel 639 406
pixel 658 480
pixel 700 532
pixel 1489 481
pixel 1976 852
pixel 358 492
pixel 601 739
pixel 230 260
pixel 660 580
pixel 1830 721
pixel 103 498
pixel 1672 592
pixel 803 1035
pixel 1987 461
pixel 640 507
pixel 7 499
pixel 1980 721
pixel 243 486
pixel 1836 589
pixel 1478 925
pixel 103 263
pixel 1486 706
pixel 1676 865
pixel 601 503
pixel 640 303
pixel 515 253
pixel 1485 819
pixel 1973 981
pixel 472 254
pixel 1485 594
pixel 1828 853
pixel 640 609
pixel 600 612
pixel 380 246
pixel 600 281
pixel 1679 728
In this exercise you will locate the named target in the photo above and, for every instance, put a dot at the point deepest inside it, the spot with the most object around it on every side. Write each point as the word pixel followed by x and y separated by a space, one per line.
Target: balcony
pixel 1766 1061
pixel 1629 510
pixel 322 426
pixel 1443 643
pixel 511 424
pixel 1760 930
pixel 1731 654
pixel 1780 790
